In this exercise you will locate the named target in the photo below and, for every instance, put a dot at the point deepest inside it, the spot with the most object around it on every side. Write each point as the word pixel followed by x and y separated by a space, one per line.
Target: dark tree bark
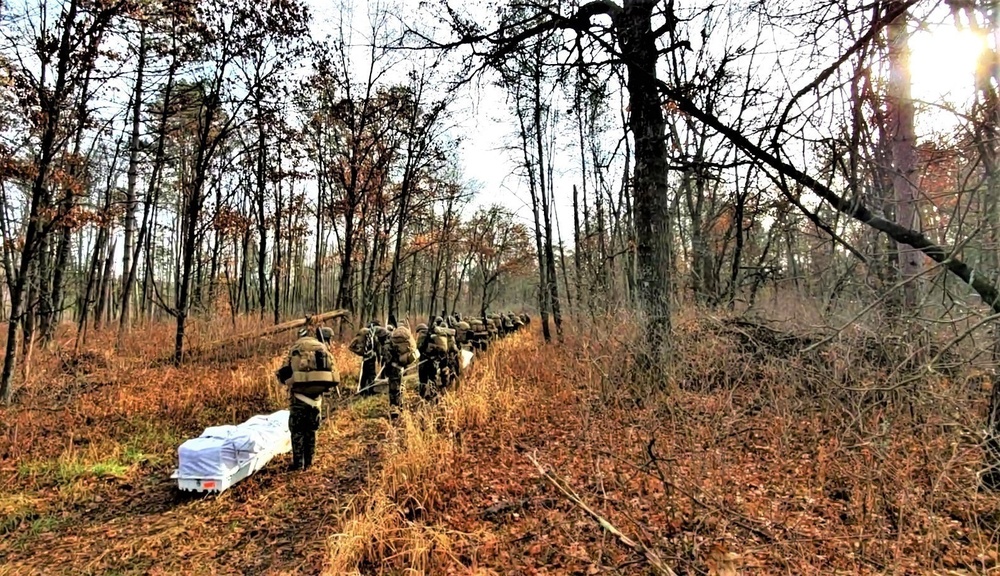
pixel 101 312
pixel 131 245
pixel 550 283
pixel 649 181
pixel 261 213
pixel 50 104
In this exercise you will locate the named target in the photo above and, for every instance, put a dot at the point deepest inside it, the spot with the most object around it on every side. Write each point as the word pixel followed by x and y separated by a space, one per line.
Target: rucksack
pixel 313 367
pixel 403 345
pixel 462 330
pixel 437 342
pixel 421 338
pixel 450 334
pixel 364 343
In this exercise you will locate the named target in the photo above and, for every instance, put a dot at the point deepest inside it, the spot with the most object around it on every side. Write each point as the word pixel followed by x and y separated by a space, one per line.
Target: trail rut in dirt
pixel 273 522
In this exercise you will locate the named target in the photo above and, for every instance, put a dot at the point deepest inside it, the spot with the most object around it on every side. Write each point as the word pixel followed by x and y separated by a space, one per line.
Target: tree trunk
pixel 47 150
pixel 650 192
pixel 734 271
pixel 320 232
pixel 261 215
pixel 131 244
pixel 394 273
pixel 577 269
pixel 51 317
pixel 901 112
pixel 104 287
pixel 276 270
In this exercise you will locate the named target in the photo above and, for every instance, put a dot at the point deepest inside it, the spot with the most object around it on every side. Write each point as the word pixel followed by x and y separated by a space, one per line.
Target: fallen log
pixel 269 331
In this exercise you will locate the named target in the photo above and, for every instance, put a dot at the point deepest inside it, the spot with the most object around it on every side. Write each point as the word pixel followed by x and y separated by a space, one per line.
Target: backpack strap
pixel 307 400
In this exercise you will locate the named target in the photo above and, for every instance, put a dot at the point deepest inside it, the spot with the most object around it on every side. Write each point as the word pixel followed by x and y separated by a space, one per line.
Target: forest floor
pixel 753 459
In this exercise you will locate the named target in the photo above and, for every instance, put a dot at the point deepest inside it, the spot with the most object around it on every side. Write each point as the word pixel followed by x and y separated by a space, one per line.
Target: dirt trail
pixel 273 522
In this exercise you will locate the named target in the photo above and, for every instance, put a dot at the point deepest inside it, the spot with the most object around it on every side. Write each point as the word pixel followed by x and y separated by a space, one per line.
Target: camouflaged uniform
pixel 480 336
pixel 309 370
pixel 433 362
pixel 454 363
pixel 364 346
pixel 463 335
pixel 395 364
pixel 507 324
pixel 427 369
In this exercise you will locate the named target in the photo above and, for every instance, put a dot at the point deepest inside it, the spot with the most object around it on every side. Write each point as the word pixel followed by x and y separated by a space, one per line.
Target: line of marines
pixel 309 370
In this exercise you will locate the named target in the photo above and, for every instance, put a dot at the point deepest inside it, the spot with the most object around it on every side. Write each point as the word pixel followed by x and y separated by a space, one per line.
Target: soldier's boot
pixel 395 396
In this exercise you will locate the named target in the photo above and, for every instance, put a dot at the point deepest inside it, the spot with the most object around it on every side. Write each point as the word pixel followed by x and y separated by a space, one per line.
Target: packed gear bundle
pixel 404 346
pixel 310 368
pixel 462 334
pixel 437 341
pixel 309 371
pixel 223 455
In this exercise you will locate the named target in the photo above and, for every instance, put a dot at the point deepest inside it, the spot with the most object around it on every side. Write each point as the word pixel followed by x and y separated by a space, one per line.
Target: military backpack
pixel 403 345
pixel 437 341
pixel 313 367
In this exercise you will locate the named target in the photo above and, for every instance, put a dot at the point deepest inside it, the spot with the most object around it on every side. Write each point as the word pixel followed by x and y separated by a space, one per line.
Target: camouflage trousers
pixel 395 375
pixel 303 421
pixel 427 372
pixel 367 383
pixel 454 369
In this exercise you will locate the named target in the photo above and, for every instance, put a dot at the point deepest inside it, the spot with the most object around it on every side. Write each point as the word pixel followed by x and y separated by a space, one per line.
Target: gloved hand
pixel 283 374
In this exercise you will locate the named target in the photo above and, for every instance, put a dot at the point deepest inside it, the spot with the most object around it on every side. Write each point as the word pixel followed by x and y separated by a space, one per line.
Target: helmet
pixel 438 321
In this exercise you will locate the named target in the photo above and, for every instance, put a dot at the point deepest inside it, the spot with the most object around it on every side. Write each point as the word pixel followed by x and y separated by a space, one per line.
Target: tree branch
pixel 651 556
pixel 980 282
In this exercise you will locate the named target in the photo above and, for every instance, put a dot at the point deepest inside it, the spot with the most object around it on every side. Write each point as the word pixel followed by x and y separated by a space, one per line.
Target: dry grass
pixel 398 528
pixel 818 463
pixel 384 532
pixel 849 459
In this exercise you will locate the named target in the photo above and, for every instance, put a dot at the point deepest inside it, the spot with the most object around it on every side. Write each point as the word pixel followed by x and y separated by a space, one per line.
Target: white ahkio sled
pixel 224 455
pixel 465 358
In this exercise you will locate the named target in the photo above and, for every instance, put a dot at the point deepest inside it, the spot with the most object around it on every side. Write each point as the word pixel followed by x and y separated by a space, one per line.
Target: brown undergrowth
pixel 87 448
pixel 400 525
pixel 754 458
